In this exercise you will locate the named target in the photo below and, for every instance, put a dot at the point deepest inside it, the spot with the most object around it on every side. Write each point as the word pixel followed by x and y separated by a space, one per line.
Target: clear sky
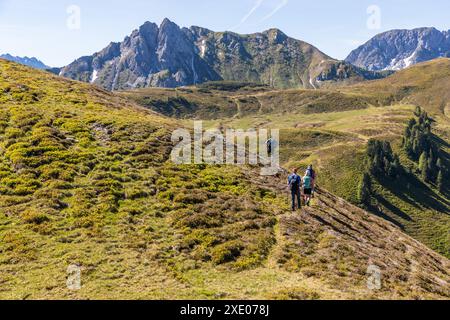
pixel 51 31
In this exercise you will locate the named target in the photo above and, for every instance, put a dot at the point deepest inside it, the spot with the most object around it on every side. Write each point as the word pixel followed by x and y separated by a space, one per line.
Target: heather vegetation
pixel 348 133
pixel 85 179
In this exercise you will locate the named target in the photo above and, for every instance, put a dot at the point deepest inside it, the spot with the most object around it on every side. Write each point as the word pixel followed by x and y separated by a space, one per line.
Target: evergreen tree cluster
pixel 418 137
pixel 420 146
pixel 381 163
pixel 381 159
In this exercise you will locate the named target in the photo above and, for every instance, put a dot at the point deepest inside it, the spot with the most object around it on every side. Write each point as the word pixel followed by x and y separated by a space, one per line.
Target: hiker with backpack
pixel 312 174
pixel 307 188
pixel 295 182
pixel 269 143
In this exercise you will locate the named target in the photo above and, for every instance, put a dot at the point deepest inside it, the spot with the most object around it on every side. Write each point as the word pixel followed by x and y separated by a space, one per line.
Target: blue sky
pixel 40 27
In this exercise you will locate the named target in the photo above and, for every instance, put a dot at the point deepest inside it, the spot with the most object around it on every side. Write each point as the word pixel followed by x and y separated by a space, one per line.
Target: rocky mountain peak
pixel 27 61
pixel 168 56
pixel 276 35
pixel 399 49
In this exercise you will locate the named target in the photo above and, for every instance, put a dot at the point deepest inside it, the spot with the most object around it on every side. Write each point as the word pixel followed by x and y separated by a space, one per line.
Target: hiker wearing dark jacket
pixel 269 146
pixel 295 182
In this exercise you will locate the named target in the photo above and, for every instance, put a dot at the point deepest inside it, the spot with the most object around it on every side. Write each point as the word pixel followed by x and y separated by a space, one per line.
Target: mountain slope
pixel 85 181
pixel 399 49
pixel 31 62
pixel 170 56
pixel 331 128
pixel 425 84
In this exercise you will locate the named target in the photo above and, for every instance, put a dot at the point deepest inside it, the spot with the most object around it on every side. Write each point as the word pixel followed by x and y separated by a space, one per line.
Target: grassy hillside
pixel 217 101
pixel 424 84
pixel 84 180
pixel 330 128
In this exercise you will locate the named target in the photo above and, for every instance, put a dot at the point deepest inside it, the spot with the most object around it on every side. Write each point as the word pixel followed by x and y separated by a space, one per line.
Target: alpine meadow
pixel 88 185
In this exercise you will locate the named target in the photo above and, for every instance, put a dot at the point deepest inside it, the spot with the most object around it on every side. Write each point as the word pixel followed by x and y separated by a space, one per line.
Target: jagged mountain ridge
pixel 30 62
pixel 170 56
pixel 399 49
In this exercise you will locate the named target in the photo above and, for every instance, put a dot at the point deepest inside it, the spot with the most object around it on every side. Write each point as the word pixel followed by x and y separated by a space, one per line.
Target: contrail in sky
pixel 274 11
pixel 258 4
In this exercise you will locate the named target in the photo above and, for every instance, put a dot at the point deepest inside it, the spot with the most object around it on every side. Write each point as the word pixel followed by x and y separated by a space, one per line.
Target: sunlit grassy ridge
pixel 330 128
pixel 85 180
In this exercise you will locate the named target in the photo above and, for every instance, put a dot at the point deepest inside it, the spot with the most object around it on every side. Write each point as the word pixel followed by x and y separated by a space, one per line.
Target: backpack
pixel 307 182
pixel 294 182
pixel 312 173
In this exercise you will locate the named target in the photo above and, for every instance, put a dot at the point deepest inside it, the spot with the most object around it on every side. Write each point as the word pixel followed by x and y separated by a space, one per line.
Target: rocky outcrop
pixel 170 56
pixel 399 49
pixel 30 62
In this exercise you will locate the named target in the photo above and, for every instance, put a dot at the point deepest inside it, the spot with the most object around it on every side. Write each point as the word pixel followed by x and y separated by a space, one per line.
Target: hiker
pixel 294 182
pixel 313 175
pixel 269 146
pixel 307 188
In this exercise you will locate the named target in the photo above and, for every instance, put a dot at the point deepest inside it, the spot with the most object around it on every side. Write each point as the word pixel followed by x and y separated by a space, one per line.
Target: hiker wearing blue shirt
pixel 295 182
pixel 307 187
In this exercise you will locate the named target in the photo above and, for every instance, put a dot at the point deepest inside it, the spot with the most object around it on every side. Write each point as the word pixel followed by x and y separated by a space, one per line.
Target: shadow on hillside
pixel 378 212
pixel 415 192
pixel 392 208
pixel 441 143
pixel 446 162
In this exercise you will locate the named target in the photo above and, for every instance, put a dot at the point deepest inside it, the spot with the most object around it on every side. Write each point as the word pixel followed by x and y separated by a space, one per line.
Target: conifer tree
pixel 418 111
pixel 365 190
pixel 440 181
pixel 423 166
pixel 439 164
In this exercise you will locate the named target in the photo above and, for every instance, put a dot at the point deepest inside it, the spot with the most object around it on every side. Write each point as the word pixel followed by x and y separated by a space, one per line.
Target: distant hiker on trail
pixel 295 182
pixel 307 188
pixel 269 146
pixel 312 174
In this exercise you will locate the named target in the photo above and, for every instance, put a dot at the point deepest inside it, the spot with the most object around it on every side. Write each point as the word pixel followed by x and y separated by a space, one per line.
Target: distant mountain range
pixel 399 49
pixel 31 62
pixel 170 56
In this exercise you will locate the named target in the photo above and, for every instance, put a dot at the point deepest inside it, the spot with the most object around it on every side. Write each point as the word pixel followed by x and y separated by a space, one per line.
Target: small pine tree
pixel 439 164
pixel 375 164
pixel 418 111
pixel 440 181
pixel 395 167
pixel 432 159
pixel 423 166
pixel 432 170
pixel 365 190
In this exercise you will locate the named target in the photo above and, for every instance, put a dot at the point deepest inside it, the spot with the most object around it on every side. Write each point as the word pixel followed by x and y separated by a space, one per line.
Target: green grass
pixel 85 180
pixel 330 128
